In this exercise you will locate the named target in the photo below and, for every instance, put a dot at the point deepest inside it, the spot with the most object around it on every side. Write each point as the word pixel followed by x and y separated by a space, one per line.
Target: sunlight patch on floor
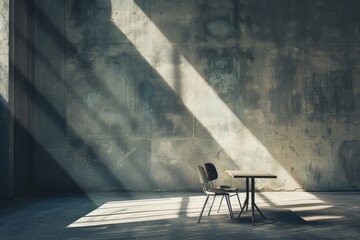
pixel 116 212
pixel 306 205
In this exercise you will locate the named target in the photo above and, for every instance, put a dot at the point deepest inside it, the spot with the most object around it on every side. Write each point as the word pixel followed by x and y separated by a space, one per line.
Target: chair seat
pixel 231 190
pixel 222 187
pixel 216 191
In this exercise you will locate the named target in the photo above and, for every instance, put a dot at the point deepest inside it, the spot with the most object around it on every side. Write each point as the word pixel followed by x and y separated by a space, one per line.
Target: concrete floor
pixel 159 215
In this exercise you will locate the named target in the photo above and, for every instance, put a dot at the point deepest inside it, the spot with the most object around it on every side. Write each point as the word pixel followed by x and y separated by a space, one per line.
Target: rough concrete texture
pixel 118 108
pixel 4 49
pixel 4 96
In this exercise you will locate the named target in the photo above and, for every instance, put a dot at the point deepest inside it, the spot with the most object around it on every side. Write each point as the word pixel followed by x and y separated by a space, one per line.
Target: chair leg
pixel 202 210
pixel 229 206
pixel 211 205
pixel 239 200
pixel 220 204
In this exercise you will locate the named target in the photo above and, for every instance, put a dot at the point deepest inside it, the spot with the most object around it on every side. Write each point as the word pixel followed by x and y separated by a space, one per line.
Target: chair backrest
pixel 211 171
pixel 203 178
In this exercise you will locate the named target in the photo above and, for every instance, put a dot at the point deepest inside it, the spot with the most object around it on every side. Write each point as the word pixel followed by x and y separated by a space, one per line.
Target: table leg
pixel 246 201
pixel 253 204
pixel 252 199
pixel 247 194
pixel 259 211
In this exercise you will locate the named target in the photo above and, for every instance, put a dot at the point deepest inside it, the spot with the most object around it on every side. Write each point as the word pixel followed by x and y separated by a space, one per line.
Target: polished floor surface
pixel 174 215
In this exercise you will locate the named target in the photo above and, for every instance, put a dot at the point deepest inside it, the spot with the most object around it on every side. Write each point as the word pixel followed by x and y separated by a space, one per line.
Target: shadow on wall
pixel 99 134
pixel 4 148
pixel 49 173
pixel 82 159
pixel 58 180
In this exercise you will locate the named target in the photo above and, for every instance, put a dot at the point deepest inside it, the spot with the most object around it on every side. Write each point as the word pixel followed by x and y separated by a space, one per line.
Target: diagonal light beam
pixel 201 100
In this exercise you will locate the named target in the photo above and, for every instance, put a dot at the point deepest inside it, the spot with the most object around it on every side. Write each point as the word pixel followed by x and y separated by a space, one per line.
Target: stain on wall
pixel 219 29
pixel 285 98
pixel 146 94
pixel 349 160
pixel 222 71
pixel 332 93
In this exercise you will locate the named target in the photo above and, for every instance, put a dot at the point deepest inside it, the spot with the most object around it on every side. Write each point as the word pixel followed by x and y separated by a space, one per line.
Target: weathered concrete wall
pixel 4 49
pixel 108 117
pixel 4 97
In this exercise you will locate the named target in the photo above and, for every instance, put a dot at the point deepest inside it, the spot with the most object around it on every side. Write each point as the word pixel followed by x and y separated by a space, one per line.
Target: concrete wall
pixel 4 49
pixel 117 108
pixel 4 97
